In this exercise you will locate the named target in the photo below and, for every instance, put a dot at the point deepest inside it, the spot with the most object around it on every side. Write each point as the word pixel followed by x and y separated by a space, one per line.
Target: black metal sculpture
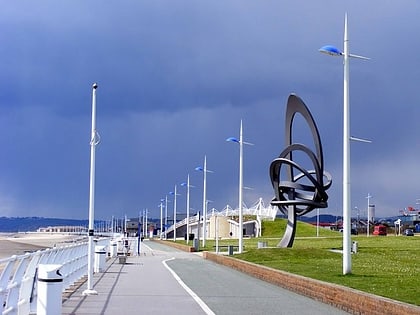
pixel 297 190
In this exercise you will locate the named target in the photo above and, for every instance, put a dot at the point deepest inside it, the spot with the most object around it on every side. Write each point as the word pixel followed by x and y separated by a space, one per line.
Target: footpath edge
pixel 344 298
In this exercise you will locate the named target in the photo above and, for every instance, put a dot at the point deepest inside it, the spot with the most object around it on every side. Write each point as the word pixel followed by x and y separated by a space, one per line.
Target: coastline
pixel 21 243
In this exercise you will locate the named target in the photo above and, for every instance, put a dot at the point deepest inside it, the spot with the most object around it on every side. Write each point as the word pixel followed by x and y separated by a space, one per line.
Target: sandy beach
pixel 21 243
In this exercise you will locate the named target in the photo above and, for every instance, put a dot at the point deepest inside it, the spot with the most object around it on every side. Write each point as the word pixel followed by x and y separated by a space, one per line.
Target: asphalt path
pixel 164 280
pixel 227 291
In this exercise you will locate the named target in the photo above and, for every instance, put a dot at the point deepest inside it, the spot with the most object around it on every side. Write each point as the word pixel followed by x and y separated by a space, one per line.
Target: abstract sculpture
pixel 298 190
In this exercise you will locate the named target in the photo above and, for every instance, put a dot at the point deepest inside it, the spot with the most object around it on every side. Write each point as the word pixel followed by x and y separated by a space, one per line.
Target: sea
pixel 32 224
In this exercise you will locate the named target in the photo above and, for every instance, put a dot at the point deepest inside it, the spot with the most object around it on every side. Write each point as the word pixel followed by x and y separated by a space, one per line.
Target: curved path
pixel 163 280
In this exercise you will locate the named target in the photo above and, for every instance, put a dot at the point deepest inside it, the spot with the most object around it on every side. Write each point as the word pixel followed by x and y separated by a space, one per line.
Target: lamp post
pixel 175 194
pixel 368 214
pixel 205 171
pixel 187 184
pixel 166 215
pixel 146 224
pixel 161 218
pixel 138 236
pixel 241 184
pixel 94 141
pixel 333 51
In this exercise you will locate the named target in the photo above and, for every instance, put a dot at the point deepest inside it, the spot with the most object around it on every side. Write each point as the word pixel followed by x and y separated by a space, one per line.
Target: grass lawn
pixel 388 266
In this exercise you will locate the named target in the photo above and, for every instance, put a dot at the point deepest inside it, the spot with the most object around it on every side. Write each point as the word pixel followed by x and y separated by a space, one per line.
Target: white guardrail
pixel 18 279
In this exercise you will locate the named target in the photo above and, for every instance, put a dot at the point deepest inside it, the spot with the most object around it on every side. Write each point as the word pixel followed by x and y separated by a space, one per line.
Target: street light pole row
pixel 205 201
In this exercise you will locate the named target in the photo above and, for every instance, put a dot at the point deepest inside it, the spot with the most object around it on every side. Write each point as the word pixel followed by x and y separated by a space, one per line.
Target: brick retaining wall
pixel 347 299
pixel 183 247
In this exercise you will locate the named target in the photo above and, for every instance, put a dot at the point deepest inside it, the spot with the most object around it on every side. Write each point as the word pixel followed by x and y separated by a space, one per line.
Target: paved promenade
pixel 163 280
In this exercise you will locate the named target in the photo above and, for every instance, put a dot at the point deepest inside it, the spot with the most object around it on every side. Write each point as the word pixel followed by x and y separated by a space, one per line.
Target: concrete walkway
pixel 163 280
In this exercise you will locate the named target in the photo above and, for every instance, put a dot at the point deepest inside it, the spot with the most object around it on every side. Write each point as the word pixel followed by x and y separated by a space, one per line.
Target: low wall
pixel 347 299
pixel 182 247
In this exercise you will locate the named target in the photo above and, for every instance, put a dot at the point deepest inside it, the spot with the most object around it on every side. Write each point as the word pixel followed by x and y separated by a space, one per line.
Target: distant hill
pixel 31 224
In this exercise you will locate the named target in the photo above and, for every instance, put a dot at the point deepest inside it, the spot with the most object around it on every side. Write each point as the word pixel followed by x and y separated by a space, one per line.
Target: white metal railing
pixel 18 287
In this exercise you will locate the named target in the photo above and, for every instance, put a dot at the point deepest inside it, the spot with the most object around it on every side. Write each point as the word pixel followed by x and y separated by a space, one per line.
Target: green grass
pixel 388 266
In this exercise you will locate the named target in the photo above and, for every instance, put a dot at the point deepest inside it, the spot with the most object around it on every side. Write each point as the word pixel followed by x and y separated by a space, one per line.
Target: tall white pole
pixel 175 214
pixel 138 235
pixel 161 219
pixel 241 221
pixel 144 223
pixel 330 50
pixel 217 233
pixel 346 159
pixel 188 208
pixel 368 214
pixel 204 201
pixel 166 215
pixel 147 228
pixel 93 142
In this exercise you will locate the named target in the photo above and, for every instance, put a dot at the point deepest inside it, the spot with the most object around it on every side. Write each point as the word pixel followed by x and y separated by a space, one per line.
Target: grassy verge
pixel 386 266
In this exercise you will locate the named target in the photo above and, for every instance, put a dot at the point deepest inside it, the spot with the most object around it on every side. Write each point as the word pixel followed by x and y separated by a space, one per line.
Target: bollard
pixel 113 249
pixel 261 244
pixel 50 288
pixel 355 247
pixel 100 254
pixel 230 250
pixel 196 245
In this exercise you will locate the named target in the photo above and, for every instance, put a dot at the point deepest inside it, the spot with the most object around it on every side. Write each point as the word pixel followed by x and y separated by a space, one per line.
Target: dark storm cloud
pixel 176 77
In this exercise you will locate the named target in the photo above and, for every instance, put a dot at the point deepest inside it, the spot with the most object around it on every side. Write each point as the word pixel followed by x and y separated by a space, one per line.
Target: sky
pixel 175 78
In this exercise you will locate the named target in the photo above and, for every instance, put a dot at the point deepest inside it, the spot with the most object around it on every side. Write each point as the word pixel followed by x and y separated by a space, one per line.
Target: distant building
pixel 411 220
pixel 63 229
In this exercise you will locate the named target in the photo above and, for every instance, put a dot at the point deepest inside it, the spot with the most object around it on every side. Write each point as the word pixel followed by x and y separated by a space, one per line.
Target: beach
pixel 21 243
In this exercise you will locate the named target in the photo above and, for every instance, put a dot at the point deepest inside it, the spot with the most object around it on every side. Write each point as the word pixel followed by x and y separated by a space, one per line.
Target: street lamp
pixel 368 213
pixel 166 216
pixel 175 194
pixel 161 217
pixel 333 51
pixel 94 141
pixel 145 231
pixel 187 184
pixel 205 171
pixel 241 183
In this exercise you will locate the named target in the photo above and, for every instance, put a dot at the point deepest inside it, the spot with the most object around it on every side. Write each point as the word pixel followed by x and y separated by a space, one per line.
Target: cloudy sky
pixel 176 77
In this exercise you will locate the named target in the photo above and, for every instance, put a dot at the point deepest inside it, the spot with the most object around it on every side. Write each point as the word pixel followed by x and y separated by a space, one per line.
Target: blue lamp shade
pixel 199 168
pixel 171 193
pixel 330 50
pixel 232 139
pixel 184 184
